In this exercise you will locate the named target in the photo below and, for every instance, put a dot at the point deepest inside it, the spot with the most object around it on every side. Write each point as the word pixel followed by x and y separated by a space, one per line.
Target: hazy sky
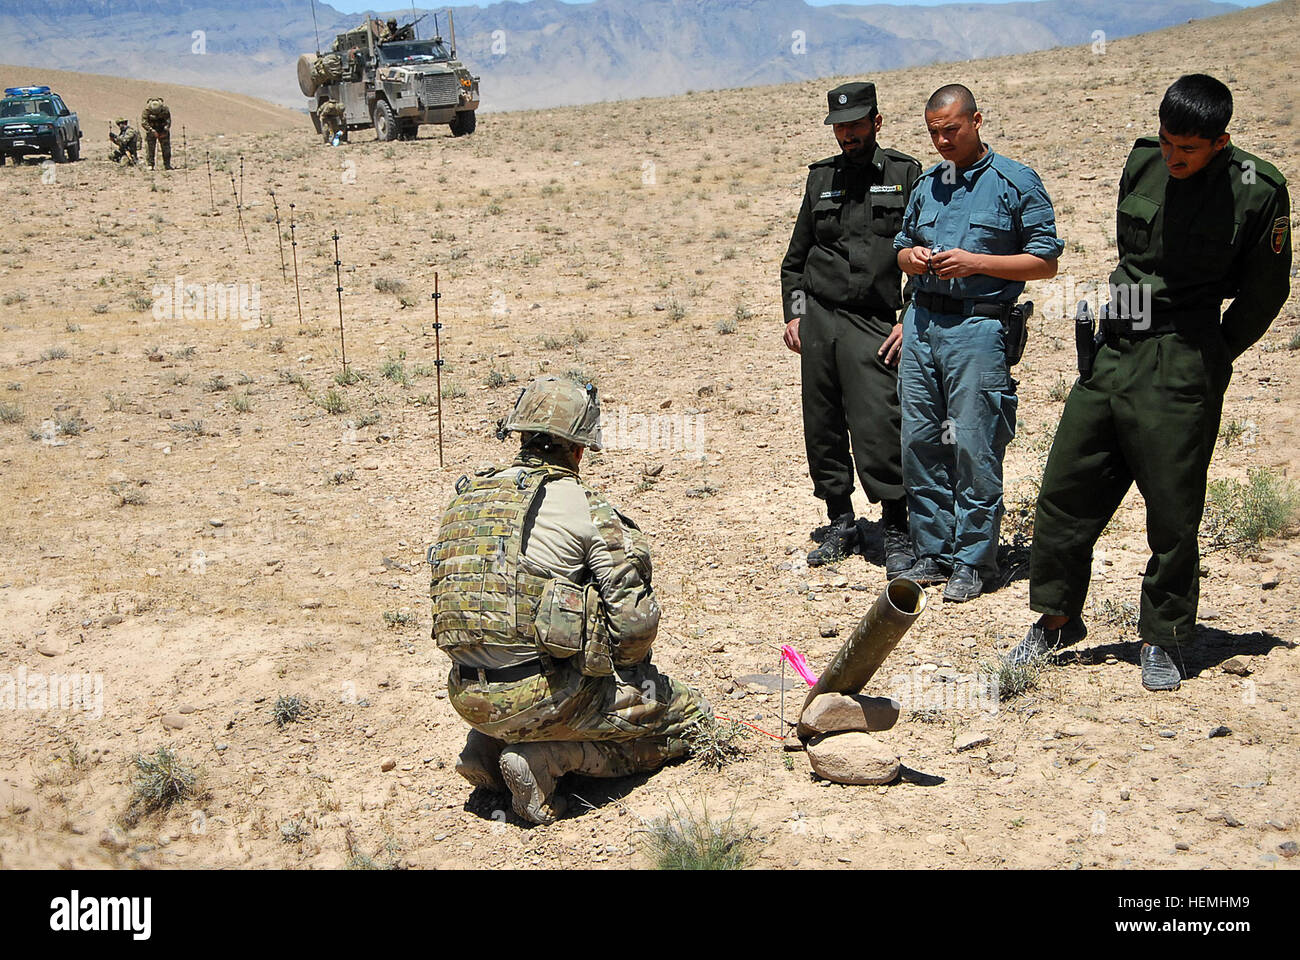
pixel 360 6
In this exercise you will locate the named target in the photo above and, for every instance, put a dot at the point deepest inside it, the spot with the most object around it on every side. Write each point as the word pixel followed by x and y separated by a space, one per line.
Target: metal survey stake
pixel 241 179
pixel 239 212
pixel 338 279
pixel 437 363
pixel 212 193
pixel 293 242
pixel 279 235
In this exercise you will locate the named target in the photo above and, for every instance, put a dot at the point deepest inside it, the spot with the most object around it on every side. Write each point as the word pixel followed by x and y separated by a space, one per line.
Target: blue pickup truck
pixel 35 120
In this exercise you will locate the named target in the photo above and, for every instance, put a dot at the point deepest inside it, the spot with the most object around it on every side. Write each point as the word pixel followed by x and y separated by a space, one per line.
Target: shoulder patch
pixel 1280 227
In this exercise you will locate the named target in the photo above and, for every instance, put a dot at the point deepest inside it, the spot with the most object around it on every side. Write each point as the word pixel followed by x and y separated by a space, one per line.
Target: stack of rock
pixel 836 728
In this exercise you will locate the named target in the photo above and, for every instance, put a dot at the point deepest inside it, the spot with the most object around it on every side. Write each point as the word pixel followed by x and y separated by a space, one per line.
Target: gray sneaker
pixel 1039 641
pixel 1159 672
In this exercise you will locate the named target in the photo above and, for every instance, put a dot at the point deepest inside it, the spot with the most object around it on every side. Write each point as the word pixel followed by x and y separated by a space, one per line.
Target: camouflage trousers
pixel 154 140
pixel 637 704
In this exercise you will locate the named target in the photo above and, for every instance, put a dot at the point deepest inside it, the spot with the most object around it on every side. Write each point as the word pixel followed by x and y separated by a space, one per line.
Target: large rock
pixel 835 712
pixel 852 758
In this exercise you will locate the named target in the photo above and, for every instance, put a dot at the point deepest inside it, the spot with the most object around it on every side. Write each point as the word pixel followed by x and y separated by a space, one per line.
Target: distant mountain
pixel 548 53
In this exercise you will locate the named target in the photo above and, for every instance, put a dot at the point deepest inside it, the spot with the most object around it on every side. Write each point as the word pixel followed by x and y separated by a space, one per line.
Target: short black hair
pixel 949 94
pixel 1196 105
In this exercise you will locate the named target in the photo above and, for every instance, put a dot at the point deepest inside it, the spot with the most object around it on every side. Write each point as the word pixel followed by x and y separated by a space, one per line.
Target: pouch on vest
pixel 561 618
pixel 595 660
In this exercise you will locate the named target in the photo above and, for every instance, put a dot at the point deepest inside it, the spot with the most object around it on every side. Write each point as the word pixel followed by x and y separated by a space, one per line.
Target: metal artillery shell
pixel 872 640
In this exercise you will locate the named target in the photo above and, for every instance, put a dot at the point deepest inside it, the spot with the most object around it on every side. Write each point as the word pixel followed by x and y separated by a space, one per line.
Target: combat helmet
pixel 558 407
pixel 120 121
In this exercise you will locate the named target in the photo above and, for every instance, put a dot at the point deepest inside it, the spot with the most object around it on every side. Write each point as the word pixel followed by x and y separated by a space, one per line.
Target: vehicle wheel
pixel 74 152
pixel 464 123
pixel 60 153
pixel 385 122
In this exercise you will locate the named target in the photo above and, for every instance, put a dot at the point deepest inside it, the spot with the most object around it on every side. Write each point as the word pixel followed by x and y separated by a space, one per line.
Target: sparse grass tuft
pixel 684 840
pixel 1012 681
pixel 161 780
pixel 241 403
pixel 395 371
pixel 1294 342
pixel 11 413
pixel 1059 390
pixel 339 477
pixel 452 391
pixel 54 353
pixel 128 494
pixel 498 378
pixel 716 743
pixel 1122 613
pixel 1241 515
pixel 389 285
pixel 216 384
pixel 725 325
pixel 289 710
pixel 332 402
pixel 396 619
pixel 345 378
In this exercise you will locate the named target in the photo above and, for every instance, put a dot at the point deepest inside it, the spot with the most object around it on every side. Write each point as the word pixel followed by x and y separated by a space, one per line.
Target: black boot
pixel 842 539
pixel 899 555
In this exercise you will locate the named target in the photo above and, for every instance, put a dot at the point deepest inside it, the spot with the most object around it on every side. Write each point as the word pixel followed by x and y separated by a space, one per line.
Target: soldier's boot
pixel 532 769
pixel 899 554
pixel 842 539
pixel 480 761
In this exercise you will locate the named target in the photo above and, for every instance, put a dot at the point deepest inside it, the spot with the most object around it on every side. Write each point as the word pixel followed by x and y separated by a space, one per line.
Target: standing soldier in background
pixel 1199 221
pixel 840 288
pixel 542 600
pixel 126 142
pixel 156 121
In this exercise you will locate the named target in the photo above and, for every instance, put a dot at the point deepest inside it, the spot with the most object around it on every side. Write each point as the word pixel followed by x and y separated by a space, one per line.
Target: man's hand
pixel 914 260
pixel 792 336
pixel 893 345
pixel 950 264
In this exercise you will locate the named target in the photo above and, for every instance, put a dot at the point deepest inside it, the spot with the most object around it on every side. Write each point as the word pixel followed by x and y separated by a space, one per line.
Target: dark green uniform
pixel 840 276
pixel 1149 412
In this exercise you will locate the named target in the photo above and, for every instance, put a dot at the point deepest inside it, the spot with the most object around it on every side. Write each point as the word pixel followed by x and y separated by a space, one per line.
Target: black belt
pixel 504 675
pixel 938 303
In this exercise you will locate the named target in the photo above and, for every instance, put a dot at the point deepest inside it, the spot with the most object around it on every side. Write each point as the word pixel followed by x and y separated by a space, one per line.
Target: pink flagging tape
pixel 796 660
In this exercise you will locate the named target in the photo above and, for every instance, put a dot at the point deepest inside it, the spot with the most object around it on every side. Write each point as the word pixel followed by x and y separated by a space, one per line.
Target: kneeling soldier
pixel 542 600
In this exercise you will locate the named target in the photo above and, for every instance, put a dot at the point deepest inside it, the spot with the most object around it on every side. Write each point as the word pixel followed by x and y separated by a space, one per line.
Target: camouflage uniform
pixel 332 120
pixel 126 143
pixel 542 599
pixel 156 121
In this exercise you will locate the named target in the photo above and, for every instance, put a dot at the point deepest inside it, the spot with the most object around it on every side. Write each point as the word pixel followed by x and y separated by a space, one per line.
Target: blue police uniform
pixel 957 396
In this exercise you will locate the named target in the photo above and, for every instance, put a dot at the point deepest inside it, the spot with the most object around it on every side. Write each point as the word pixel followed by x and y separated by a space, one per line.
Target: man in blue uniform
pixel 976 228
pixel 1199 220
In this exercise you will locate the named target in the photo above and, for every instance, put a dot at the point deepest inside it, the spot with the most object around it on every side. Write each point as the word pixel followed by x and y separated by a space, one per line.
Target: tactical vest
pixel 483 595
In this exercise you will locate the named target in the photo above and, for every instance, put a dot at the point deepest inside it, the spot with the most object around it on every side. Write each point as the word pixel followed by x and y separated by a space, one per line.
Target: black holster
pixel 1015 327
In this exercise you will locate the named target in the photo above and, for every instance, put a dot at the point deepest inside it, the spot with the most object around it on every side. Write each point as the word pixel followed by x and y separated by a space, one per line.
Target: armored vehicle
pixel 35 120
pixel 382 76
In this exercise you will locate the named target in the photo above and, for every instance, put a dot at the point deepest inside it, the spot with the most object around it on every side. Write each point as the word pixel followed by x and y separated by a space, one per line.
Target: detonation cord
pixel 750 725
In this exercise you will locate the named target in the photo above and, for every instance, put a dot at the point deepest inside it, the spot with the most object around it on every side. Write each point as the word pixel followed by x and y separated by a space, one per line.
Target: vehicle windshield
pixel 22 106
pixel 414 51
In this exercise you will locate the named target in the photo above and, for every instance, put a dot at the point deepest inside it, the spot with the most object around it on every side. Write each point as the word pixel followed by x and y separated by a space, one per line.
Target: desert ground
pixel 200 515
